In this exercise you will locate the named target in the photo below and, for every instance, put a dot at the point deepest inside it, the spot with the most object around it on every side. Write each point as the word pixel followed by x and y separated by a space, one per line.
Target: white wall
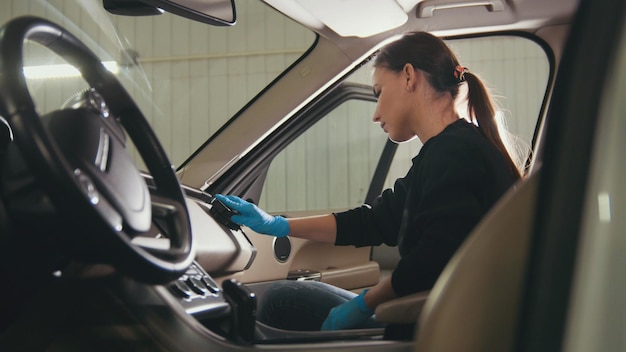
pixel 202 75
pixel 330 167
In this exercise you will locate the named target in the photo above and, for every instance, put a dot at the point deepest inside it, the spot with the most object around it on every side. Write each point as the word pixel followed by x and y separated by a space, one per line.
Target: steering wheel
pixel 78 156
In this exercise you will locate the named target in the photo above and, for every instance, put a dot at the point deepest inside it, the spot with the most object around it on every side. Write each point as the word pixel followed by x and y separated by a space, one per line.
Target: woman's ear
pixel 410 74
pixel 408 69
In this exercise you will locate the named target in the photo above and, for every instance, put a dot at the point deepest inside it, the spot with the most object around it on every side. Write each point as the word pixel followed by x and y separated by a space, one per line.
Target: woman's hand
pixel 252 216
pixel 348 315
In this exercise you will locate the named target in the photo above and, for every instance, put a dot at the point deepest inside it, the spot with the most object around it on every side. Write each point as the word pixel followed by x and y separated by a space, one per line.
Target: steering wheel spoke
pixel 166 213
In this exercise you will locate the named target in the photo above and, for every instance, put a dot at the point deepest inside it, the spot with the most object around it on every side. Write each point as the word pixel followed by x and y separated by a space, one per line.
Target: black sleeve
pixel 450 181
pixel 376 224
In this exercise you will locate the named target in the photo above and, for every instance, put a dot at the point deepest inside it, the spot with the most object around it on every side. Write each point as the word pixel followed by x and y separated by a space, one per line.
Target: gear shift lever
pixel 243 304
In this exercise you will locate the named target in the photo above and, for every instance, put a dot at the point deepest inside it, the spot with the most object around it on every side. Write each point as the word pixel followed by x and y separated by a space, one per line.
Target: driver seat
pixel 474 305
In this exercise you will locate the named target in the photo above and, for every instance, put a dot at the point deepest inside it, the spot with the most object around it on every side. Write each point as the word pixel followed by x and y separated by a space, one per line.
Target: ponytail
pixel 481 110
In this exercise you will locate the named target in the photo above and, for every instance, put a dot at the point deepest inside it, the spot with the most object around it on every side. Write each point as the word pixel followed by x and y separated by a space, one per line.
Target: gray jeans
pixel 302 305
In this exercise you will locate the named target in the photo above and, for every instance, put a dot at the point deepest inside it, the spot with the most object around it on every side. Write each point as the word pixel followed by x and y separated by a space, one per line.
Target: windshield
pixel 187 77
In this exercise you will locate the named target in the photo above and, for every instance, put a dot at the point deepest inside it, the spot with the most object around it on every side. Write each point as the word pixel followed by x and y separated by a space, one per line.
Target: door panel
pixel 345 267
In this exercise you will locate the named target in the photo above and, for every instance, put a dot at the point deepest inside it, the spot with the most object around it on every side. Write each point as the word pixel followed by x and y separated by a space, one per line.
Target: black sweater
pixel 454 180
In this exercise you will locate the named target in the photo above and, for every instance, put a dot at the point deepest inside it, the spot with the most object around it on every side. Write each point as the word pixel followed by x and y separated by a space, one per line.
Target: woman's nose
pixel 376 117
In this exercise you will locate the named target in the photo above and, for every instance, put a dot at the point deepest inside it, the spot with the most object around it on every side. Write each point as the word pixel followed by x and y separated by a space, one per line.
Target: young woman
pixel 460 172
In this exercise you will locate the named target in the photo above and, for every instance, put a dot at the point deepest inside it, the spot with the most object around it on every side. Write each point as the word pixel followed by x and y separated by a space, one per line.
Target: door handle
pixel 427 8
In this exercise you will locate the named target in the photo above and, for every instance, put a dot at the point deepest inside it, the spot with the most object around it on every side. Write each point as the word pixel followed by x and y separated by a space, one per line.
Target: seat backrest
pixel 474 303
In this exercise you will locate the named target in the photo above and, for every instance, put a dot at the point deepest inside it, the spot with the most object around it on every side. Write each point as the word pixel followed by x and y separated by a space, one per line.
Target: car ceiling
pixel 448 16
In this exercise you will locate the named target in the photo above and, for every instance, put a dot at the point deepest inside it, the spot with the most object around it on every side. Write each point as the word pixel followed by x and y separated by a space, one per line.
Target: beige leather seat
pixel 474 304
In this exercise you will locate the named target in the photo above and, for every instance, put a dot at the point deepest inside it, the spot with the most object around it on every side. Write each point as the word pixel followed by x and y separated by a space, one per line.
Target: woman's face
pixel 393 110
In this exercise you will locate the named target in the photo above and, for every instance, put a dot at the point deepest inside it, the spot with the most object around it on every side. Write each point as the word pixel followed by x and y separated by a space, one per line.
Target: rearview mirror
pixel 213 12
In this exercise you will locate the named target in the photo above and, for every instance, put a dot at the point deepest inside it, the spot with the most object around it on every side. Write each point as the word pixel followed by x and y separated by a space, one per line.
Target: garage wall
pixel 325 167
pixel 214 71
pixel 211 72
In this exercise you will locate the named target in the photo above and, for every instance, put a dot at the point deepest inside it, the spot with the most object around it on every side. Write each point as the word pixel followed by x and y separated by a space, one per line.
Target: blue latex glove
pixel 348 315
pixel 252 216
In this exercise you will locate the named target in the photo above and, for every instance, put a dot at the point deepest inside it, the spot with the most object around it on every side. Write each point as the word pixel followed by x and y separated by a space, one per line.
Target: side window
pixel 331 165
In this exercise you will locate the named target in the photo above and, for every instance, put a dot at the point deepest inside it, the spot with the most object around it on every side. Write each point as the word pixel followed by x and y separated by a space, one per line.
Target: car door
pixel 322 162
pixel 331 157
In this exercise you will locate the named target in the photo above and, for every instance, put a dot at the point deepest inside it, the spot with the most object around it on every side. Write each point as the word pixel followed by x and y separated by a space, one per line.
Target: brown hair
pixel 432 56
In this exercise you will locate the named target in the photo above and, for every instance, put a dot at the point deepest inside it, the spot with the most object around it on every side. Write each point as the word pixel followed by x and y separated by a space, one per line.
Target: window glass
pixel 187 77
pixel 346 145
pixel 330 165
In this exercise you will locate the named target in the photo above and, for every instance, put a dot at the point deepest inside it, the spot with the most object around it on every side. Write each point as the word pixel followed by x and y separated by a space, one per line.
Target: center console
pixel 199 294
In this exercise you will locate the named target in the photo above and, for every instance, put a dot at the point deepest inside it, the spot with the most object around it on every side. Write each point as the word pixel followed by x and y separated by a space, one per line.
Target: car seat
pixel 474 303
